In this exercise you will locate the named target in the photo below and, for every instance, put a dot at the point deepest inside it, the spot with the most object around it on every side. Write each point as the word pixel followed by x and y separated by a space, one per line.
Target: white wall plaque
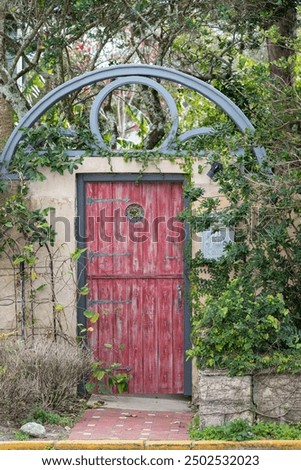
pixel 214 242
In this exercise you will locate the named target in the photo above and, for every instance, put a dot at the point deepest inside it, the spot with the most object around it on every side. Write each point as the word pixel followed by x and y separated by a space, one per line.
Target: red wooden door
pixel 135 275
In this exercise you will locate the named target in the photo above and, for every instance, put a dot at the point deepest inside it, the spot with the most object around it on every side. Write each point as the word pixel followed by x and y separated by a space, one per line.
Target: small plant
pixel 104 379
pixel 43 416
pixel 21 436
pixel 241 430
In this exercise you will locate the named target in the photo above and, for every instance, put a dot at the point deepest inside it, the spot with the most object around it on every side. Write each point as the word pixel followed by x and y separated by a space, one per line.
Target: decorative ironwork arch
pixel 131 74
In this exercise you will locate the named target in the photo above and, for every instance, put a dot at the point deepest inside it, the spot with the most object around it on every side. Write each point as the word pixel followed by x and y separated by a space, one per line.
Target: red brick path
pixel 109 423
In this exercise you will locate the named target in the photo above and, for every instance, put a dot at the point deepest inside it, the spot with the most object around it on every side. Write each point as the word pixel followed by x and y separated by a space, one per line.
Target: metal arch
pixel 134 80
pixel 196 132
pixel 113 72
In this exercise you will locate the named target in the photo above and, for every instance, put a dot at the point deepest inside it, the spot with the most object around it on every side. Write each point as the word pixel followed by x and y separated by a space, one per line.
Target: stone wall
pixel 264 396
pixel 278 397
pixel 224 398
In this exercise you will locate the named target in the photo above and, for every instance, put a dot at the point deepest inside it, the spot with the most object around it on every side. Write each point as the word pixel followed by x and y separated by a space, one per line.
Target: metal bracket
pixel 101 254
pixel 91 200
pixel 102 302
pixel 125 368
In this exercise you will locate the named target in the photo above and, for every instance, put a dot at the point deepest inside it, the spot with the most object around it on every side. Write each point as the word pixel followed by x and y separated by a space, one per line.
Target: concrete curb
pixel 150 445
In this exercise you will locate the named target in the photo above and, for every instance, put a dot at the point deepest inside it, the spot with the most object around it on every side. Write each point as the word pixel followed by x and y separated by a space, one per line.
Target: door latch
pixel 179 296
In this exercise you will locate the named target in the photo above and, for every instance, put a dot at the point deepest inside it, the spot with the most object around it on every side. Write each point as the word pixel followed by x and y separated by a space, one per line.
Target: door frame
pixel 80 236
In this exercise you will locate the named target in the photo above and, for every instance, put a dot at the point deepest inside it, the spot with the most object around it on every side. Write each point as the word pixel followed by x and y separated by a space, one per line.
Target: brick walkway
pixel 109 423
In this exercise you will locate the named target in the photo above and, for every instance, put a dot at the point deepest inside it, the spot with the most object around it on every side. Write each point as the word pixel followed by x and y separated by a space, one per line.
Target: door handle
pixel 125 368
pixel 179 296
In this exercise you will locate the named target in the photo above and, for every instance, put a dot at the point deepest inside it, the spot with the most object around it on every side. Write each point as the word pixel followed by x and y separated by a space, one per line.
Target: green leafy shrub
pixel 246 304
pixel 241 331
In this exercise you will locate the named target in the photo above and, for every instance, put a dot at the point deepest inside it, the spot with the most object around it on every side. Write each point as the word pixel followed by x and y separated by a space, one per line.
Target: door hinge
pixel 91 200
pixel 101 254
pixel 108 301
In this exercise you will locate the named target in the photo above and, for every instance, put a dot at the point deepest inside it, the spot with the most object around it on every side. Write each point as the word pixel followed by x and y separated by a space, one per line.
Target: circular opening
pixel 134 213
pixel 134 113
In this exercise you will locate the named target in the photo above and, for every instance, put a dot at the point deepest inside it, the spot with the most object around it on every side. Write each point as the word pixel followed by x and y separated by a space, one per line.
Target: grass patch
pixel 21 436
pixel 42 416
pixel 66 418
pixel 240 430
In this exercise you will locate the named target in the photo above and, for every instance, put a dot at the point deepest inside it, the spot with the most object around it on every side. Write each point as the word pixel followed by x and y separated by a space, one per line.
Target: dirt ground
pixel 53 432
pixel 10 431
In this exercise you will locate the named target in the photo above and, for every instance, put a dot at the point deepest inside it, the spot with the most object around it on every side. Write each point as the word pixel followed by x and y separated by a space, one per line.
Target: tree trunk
pixel 282 49
pixel 6 111
pixel 6 121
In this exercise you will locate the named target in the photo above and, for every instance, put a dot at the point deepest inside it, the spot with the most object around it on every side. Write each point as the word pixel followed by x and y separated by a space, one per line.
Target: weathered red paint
pixel 138 269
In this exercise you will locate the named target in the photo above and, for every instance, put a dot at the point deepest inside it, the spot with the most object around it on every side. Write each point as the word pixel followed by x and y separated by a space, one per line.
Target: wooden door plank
pixel 149 320
pixel 165 369
pixel 122 252
pixel 135 338
pixel 178 336
pixel 103 330
pixel 121 312
pixel 165 209
pixel 176 232
pixel 135 237
pixel 150 244
pixel 98 216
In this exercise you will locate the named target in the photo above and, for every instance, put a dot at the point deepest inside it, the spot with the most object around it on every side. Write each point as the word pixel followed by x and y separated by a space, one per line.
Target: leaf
pixel 19 260
pixel 99 375
pixel 59 307
pixel 89 313
pixel 84 290
pixel 103 389
pixel 108 345
pixel 90 387
pixel 76 254
pixel 93 316
pixel 121 387
pixel 273 321
pixel 41 287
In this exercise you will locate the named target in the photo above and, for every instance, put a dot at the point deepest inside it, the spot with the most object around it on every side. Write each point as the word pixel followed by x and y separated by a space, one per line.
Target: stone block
pixel 224 398
pixel 278 396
